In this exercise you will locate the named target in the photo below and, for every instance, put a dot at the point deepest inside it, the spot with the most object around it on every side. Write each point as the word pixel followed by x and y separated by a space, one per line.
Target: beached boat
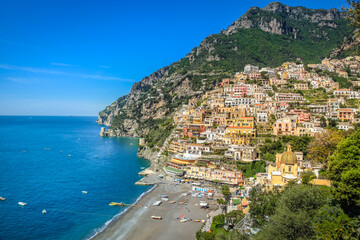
pixel 2 198
pixel 196 220
pixel 22 203
pixel 116 204
pixel 181 202
pixel 157 203
pixel 44 211
pixel 156 217
pixel 85 192
pixel 172 202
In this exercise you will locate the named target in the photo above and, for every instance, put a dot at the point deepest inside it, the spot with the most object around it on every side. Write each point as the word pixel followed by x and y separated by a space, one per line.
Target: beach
pixel 136 223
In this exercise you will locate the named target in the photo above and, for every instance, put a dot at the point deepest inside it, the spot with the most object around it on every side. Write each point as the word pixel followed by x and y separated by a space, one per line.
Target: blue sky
pixel 76 57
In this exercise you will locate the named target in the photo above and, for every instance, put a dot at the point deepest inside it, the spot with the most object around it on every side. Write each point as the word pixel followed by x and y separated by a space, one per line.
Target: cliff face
pixel 265 37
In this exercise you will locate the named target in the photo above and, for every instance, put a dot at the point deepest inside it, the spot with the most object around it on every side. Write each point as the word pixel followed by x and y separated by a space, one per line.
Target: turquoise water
pixel 35 167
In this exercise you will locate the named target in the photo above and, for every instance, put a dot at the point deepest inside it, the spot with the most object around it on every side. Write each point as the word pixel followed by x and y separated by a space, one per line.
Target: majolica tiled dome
pixel 289 157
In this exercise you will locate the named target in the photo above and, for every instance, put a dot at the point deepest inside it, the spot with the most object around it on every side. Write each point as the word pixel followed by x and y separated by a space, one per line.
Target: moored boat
pixel 156 217
pixel 116 204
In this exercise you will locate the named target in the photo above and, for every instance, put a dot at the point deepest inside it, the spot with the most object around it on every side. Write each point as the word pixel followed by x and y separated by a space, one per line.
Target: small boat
pixel 44 211
pixel 22 203
pixel 109 154
pixel 2 198
pixel 183 220
pixel 116 204
pixel 142 168
pixel 24 151
pixel 196 220
pixel 156 217
pixel 172 202
pixel 157 203
pixel 69 155
pixel 95 156
pixel 84 192
pixel 181 202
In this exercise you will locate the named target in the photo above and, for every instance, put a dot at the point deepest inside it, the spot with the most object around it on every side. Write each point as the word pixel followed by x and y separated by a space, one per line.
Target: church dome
pixel 289 157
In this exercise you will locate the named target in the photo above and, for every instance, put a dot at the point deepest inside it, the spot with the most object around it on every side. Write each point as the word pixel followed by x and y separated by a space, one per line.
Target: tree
pixel 225 191
pixel 294 213
pixel 263 204
pixel 354 12
pixel 324 145
pixel 344 171
pixel 332 223
pixel 307 176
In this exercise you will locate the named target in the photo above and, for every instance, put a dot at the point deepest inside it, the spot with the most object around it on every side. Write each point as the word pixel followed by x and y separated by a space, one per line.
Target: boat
pixel 203 204
pixel 85 192
pixel 69 155
pixel 181 202
pixel 95 156
pixel 172 202
pixel 183 220
pixel 22 203
pixel 157 203
pixel 196 220
pixel 116 204
pixel 44 211
pixel 156 217
pixel 2 198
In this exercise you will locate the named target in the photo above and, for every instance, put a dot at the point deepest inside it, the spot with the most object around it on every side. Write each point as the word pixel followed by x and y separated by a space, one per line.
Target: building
pixel 346 115
pixel 301 86
pixel 250 68
pixel 288 97
pixel 285 168
pixel 285 126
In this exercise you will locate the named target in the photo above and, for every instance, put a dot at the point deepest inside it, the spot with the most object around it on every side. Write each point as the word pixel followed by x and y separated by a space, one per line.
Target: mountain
pixel 262 36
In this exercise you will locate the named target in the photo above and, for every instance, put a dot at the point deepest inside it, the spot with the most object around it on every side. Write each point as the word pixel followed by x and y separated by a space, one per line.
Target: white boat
pixel 22 203
pixel 44 211
pixel 157 203
pixel 69 155
pixel 2 198
pixel 85 192
pixel 95 156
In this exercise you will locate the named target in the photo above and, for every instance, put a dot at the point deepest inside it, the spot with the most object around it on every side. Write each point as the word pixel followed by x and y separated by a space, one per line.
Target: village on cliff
pixel 227 127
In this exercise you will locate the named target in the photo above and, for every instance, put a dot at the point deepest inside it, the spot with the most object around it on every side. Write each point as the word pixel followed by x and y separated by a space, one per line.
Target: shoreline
pixel 119 215
pixel 137 223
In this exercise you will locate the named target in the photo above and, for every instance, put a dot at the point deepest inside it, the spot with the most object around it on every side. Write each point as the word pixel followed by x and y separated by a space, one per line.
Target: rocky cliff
pixel 265 37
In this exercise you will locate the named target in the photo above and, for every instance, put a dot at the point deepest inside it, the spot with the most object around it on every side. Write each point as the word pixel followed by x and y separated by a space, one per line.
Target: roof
pixel 322 182
pixel 174 170
pixel 236 201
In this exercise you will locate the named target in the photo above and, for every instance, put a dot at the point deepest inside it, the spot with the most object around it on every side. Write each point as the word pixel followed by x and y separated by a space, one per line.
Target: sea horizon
pixel 47 161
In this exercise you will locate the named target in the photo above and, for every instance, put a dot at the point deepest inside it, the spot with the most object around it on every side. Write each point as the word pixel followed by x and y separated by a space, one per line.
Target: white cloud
pixel 64 65
pixel 49 71
pixel 103 66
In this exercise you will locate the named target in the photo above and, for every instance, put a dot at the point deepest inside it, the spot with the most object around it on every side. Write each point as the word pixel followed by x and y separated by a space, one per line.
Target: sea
pixel 47 162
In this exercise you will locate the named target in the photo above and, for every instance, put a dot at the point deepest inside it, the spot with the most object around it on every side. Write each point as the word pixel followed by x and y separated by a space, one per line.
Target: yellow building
pixel 285 169
pixel 236 131
pixel 244 122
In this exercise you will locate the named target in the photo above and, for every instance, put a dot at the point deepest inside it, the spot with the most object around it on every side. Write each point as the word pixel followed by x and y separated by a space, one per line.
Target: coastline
pixel 117 216
pixel 136 223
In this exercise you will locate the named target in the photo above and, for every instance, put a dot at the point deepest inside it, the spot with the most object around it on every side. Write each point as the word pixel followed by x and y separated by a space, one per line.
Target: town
pixel 227 128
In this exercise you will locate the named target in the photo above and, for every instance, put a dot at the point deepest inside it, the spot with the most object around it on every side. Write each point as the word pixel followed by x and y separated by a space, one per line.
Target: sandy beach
pixel 137 223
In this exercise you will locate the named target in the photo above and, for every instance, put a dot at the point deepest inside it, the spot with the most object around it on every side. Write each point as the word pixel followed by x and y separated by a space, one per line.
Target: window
pixel 289 169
